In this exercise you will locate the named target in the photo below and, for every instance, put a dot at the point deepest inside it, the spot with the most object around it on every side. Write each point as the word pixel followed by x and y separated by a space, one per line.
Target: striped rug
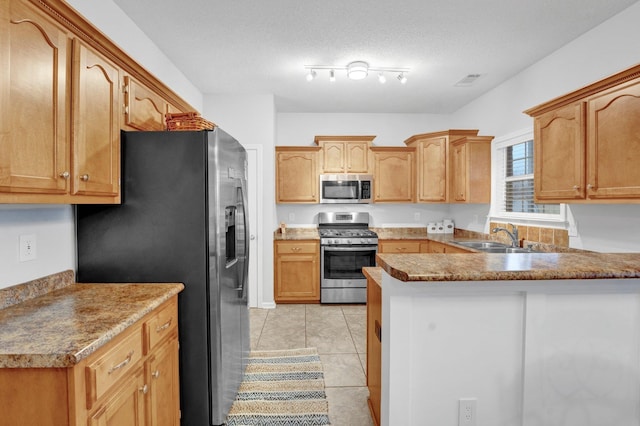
pixel 281 388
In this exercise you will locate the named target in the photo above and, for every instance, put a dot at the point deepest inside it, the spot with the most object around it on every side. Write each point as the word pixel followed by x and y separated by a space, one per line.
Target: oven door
pixel 341 266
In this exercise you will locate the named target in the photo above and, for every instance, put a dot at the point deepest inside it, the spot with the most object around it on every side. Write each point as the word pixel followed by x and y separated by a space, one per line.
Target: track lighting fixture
pixel 357 70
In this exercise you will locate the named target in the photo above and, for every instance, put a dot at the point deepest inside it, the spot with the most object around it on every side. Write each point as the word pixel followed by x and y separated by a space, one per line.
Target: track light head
pixel 402 78
pixel 332 76
pixel 311 75
pixel 382 78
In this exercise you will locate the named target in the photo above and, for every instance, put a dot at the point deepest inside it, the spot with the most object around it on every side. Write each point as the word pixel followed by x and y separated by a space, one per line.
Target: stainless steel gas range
pixel 346 246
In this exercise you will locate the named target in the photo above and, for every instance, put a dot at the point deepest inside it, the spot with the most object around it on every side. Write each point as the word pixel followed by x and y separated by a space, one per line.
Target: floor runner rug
pixel 281 388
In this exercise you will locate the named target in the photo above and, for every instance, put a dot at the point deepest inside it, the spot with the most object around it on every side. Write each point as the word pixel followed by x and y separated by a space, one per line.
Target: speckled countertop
pixel 297 234
pixel 513 266
pixel 65 325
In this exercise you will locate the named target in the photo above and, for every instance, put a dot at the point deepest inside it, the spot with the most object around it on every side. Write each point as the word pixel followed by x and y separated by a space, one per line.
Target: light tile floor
pixel 339 334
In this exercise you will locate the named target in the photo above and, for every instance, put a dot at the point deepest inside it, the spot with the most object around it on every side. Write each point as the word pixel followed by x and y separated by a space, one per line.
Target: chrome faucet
pixel 513 234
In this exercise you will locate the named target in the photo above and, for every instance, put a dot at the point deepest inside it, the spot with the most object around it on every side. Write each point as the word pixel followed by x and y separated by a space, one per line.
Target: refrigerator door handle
pixel 245 228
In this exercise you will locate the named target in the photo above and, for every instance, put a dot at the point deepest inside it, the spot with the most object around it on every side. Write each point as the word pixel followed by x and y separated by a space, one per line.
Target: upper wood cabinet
pixel 433 165
pixel 297 178
pixel 471 170
pixel 394 174
pixel 96 126
pixel 35 54
pixel 559 153
pixel 587 143
pixel 344 154
pixel 62 105
pixel 144 109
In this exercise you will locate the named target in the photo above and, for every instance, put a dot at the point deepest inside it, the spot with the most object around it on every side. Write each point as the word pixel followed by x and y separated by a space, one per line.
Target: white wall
pixel 53 228
pixel 603 51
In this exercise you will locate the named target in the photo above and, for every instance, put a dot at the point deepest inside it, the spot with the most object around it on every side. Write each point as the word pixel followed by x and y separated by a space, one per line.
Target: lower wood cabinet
pixel 374 343
pixel 297 271
pixel 133 380
pixel 438 247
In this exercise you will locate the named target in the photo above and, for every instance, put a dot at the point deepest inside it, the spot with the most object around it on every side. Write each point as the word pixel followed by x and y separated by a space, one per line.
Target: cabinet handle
pixel 84 177
pixel 378 330
pixel 401 248
pixel 64 175
pixel 296 249
pixel 591 187
pixel 144 389
pixel 155 374
pixel 118 366
pixel 163 326
pixel 576 187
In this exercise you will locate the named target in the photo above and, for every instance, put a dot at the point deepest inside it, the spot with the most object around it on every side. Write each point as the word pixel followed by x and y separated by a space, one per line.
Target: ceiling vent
pixel 468 80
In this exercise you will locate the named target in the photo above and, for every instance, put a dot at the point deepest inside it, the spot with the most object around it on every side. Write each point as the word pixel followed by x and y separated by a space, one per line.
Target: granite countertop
pixel 65 325
pixel 513 266
pixel 297 234
pixel 373 272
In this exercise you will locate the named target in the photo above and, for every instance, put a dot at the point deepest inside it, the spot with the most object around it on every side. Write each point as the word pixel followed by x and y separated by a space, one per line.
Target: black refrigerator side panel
pixel 159 234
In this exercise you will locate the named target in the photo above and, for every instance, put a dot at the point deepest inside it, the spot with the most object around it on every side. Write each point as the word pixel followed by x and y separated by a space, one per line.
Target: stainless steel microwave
pixel 346 188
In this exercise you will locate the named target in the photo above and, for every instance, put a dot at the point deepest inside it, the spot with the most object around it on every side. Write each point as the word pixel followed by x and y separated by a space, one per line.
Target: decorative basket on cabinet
pixel 187 121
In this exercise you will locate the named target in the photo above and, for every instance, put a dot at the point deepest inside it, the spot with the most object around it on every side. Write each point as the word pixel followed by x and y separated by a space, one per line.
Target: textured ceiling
pixel 248 47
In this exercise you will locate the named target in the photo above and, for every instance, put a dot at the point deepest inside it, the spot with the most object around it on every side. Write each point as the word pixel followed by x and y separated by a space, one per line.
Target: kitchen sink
pixel 493 247
pixel 482 245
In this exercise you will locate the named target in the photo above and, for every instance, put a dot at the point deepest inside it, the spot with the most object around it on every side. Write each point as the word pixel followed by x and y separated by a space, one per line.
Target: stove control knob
pixel 347 241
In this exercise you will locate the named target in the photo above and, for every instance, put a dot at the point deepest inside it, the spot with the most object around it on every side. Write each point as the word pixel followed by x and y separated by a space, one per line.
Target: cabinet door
pixel 432 169
pixel 394 175
pixel 614 143
pixel 125 407
pixel 143 108
pixel 459 172
pixel 96 132
pixel 34 56
pixel 297 272
pixel 164 392
pixel 297 179
pixel 357 154
pixel 559 154
pixel 333 156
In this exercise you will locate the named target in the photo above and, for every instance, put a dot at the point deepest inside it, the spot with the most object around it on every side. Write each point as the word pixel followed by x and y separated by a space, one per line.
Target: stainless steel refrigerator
pixel 182 219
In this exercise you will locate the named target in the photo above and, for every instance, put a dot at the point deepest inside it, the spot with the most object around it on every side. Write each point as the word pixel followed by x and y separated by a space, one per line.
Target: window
pixel 513 181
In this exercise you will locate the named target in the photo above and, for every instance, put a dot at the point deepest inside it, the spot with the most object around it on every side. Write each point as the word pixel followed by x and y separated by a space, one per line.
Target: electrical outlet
pixel 292 217
pixel 27 247
pixel 416 216
pixel 467 412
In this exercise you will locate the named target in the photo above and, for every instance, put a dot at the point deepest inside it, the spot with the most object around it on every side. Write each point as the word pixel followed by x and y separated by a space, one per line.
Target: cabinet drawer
pixel 113 364
pixel 161 325
pixel 295 247
pixel 400 247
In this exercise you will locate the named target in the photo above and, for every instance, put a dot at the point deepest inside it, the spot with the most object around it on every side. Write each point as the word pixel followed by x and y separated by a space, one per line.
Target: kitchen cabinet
pixel 400 246
pixel 439 247
pixel 297 178
pixel 144 109
pixel 432 160
pixel 62 105
pixel 394 174
pixel 34 120
pixel 471 170
pixel 344 154
pixel 96 126
pixel 587 143
pixel 131 380
pixel 374 341
pixel 297 271
pixel 560 153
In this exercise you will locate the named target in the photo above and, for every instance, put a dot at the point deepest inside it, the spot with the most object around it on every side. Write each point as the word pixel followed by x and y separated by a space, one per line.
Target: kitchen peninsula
pixel 529 338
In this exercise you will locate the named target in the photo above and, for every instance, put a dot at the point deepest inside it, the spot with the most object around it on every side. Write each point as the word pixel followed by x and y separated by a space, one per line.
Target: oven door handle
pixel 349 248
